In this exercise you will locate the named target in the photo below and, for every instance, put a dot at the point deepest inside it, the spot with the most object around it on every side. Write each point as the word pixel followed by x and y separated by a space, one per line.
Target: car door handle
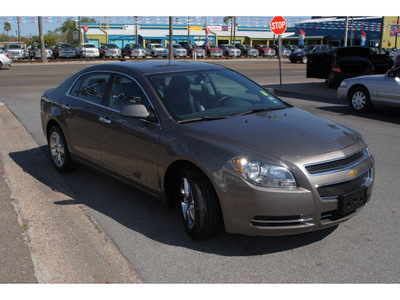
pixel 105 120
pixel 66 107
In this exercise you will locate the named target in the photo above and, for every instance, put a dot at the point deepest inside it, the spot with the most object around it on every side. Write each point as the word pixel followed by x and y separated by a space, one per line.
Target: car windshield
pixel 136 46
pixel 177 46
pixel 230 46
pixel 157 46
pixel 212 94
pixel 65 46
pixel 112 46
pixel 13 47
pixel 88 46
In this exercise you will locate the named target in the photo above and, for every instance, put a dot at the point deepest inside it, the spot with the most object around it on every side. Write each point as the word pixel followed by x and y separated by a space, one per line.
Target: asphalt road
pixel 366 249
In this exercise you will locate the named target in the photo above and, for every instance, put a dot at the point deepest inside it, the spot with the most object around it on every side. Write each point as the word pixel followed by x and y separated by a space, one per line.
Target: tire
pixel 58 149
pixel 200 208
pixel 304 59
pixel 359 100
pixel 1 64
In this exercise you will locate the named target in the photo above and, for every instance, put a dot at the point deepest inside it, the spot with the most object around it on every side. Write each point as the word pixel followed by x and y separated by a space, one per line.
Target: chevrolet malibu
pixel 228 152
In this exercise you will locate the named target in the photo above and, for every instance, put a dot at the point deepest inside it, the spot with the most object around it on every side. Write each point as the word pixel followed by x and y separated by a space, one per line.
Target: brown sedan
pixel 229 152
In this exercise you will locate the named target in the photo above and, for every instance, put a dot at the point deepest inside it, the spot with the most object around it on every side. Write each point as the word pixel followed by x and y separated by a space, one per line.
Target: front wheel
pixel 360 100
pixel 58 148
pixel 200 208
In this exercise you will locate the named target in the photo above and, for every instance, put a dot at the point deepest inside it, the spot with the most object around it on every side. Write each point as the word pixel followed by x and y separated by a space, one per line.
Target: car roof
pixel 157 66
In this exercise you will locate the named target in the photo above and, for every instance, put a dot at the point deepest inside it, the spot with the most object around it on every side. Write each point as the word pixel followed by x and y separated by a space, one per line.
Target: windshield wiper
pixel 255 110
pixel 201 119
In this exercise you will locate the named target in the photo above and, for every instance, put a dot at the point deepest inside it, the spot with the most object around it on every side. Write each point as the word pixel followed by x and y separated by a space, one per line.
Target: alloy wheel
pixel 358 100
pixel 57 149
pixel 187 203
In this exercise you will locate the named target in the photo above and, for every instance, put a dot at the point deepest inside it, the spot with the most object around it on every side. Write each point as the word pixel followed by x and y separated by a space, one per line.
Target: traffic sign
pixel 278 25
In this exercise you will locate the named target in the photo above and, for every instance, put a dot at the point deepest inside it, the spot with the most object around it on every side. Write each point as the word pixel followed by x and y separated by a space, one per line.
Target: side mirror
pixel 138 111
pixel 390 73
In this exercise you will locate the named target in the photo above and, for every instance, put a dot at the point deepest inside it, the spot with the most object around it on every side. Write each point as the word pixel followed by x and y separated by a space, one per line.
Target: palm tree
pixel 7 27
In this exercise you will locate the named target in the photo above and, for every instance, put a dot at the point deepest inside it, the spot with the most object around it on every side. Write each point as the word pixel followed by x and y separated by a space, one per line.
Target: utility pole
pixel 19 32
pixel 136 31
pixel 397 32
pixel 234 30
pixel 346 24
pixel 188 30
pixel 171 52
pixel 80 35
pixel 42 48
pixel 381 39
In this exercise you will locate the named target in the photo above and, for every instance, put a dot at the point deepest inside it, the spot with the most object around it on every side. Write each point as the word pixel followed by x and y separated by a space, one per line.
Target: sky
pixel 285 8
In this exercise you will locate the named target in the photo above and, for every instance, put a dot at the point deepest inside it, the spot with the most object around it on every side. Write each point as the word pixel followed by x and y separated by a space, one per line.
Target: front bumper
pixel 67 54
pixel 90 54
pixel 342 93
pixel 215 54
pixel 316 203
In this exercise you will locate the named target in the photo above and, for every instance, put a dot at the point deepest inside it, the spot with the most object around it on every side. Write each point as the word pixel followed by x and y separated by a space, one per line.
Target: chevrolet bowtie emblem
pixel 351 174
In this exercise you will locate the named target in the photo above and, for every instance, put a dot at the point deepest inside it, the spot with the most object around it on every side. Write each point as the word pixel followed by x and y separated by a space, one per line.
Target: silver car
pixel 5 60
pixel 179 51
pixel 363 92
pixel 14 51
pixel 36 52
pixel 222 148
pixel 230 51
pixel 156 50
pixel 87 50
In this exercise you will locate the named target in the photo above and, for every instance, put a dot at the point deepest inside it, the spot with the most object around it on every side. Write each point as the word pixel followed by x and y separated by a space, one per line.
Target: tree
pixel 7 27
pixel 70 24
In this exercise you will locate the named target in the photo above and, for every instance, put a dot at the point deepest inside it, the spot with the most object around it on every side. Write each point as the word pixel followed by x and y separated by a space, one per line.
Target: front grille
pixel 336 165
pixel 344 188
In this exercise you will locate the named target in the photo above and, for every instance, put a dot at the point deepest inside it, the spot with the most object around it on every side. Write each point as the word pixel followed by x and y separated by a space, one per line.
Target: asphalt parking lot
pixel 149 240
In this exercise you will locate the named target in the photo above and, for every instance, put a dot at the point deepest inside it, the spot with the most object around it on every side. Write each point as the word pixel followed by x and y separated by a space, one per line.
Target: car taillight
pixel 336 69
pixel 8 56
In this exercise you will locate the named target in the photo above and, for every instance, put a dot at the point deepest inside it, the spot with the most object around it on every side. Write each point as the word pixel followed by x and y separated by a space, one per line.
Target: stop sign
pixel 278 25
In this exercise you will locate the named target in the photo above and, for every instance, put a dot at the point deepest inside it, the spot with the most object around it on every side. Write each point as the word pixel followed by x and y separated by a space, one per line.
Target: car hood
pixel 283 133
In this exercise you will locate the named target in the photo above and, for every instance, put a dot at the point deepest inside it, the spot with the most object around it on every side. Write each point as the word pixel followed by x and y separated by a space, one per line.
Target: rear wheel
pixel 200 208
pixel 58 148
pixel 360 100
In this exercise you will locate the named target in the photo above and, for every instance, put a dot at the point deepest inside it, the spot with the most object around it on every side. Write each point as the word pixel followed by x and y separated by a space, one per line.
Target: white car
pixel 14 51
pixel 156 50
pixel 87 50
pixel 364 91
pixel 5 60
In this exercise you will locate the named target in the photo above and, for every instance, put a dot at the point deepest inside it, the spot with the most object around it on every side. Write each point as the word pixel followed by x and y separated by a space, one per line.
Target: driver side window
pixel 125 91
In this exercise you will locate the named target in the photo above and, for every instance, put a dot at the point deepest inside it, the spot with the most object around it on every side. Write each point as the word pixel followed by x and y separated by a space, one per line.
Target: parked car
pixel 87 50
pixel 15 51
pixel 35 51
pixel 133 50
pixel 179 51
pixel 230 50
pixel 226 151
pixel 346 62
pixel 213 51
pixel 5 60
pixel 396 59
pixel 247 50
pixel 191 49
pixel 265 50
pixel 64 50
pixel 302 54
pixel 156 50
pixel 363 92
pixel 109 50
pixel 284 51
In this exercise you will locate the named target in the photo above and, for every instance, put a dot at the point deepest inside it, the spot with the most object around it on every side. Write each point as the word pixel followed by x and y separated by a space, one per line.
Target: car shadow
pixel 142 214
pixel 319 92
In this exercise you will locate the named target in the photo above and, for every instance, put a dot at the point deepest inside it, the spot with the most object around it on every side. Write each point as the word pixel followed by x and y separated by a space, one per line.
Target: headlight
pixel 343 84
pixel 262 173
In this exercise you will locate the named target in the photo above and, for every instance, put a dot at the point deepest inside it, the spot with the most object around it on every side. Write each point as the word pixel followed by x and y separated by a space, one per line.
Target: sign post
pixel 278 27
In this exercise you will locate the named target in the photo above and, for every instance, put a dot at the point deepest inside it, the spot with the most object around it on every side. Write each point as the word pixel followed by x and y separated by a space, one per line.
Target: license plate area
pixel 350 202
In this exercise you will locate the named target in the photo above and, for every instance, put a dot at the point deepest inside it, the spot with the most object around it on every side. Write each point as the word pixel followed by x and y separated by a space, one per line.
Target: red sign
pixel 278 25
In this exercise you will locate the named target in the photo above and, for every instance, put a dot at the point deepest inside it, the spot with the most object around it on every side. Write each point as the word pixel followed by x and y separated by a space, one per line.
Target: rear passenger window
pixel 125 91
pixel 92 87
